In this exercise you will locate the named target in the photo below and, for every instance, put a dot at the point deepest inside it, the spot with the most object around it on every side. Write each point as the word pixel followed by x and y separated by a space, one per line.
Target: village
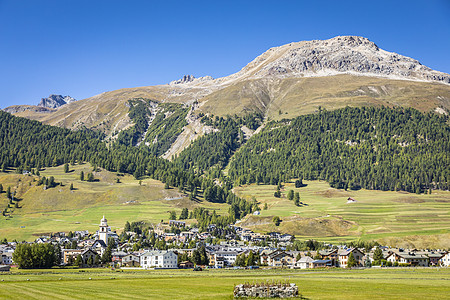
pixel 241 248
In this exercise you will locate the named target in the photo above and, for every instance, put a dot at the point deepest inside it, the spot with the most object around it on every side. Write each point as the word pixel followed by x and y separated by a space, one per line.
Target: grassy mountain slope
pixel 299 96
pixel 60 209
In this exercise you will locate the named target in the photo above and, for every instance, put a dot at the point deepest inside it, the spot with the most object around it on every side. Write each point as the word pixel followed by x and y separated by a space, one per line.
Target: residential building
pixel 131 260
pixel 159 259
pixel 343 255
pixel 71 255
pixel 303 263
pixel 445 260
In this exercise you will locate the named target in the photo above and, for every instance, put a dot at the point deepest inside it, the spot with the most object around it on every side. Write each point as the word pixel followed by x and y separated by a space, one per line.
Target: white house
pixel 445 260
pixel 159 259
pixel 226 258
pixel 6 258
pixel 303 263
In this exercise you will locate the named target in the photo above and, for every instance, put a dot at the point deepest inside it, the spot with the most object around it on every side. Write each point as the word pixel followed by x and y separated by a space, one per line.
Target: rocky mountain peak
pixel 190 79
pixel 55 101
pixel 339 55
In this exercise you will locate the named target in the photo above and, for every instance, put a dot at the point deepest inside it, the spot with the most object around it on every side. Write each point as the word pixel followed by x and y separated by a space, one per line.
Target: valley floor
pixel 408 220
pixel 400 283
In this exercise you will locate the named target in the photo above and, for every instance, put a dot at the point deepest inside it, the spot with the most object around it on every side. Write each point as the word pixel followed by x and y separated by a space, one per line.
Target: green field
pixel 418 219
pixel 59 209
pixel 408 283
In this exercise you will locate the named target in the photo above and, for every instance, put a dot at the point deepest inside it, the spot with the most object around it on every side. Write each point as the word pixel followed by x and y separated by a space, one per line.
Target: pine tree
pixel 66 168
pixel 71 187
pixel 290 195
pixel 8 192
pixel 82 176
pixel 351 261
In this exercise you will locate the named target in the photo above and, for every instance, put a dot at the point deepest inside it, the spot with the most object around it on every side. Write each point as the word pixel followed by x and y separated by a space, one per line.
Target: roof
pixel 305 259
pixel 157 252
pixel 321 261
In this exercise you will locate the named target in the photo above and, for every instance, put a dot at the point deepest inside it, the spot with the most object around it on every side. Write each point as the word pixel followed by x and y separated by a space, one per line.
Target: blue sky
pixel 83 48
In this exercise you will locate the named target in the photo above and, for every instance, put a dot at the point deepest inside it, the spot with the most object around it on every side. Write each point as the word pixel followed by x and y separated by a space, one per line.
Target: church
pixel 103 235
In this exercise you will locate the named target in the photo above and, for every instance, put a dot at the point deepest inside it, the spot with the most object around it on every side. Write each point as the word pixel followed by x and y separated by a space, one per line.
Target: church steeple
pixel 103 230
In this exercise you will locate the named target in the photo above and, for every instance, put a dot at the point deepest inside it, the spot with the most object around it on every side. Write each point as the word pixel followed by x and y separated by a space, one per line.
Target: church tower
pixel 103 231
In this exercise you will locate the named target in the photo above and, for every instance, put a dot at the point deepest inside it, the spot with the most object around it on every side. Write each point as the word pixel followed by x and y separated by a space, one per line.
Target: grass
pixel 59 209
pixel 375 215
pixel 300 96
pixel 406 283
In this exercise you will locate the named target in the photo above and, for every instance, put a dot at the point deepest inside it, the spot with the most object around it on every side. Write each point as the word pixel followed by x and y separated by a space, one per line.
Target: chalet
pixel 411 258
pixel 280 259
pixel 159 259
pixel 351 200
pixel 321 263
pixel 186 265
pixel 131 260
pixel 331 254
pixel 343 255
pixel 433 256
pixel 303 263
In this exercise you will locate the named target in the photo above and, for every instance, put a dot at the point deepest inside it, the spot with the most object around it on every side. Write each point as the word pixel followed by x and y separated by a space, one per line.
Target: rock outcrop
pixel 341 55
pixel 55 101
pixel 191 78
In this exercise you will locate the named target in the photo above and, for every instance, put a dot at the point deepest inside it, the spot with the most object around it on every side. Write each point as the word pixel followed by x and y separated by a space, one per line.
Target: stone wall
pixel 287 290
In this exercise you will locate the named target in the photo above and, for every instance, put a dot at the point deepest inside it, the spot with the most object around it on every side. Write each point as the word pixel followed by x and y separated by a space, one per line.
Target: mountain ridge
pixel 283 82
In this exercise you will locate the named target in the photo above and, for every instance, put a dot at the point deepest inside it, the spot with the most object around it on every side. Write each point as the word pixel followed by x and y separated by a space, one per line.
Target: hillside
pixel 61 209
pixel 285 81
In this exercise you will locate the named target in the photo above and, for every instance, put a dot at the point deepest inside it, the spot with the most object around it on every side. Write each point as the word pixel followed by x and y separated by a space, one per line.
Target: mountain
pixel 46 105
pixel 55 101
pixel 283 82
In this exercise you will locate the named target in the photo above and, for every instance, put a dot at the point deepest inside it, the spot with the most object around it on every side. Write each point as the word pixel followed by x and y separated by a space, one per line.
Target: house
pixel 88 255
pixel 69 255
pixel 445 260
pixel 6 258
pixel 178 224
pixel 219 262
pixel 280 259
pixel 186 265
pixel 434 257
pixel 117 257
pixel 331 254
pixel 131 260
pixel 321 263
pixel 343 255
pixel 303 263
pixel 411 258
pixel 228 257
pixel 159 259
